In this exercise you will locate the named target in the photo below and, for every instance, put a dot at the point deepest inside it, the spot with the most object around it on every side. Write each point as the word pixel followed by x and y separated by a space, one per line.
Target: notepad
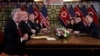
pixel 39 37
pixel 50 38
pixel 44 37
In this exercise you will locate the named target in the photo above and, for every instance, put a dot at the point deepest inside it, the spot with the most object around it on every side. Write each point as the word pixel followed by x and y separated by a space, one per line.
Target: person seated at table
pixel 71 25
pixel 34 24
pixel 13 38
pixel 92 28
pixel 44 28
pixel 24 24
pixel 79 26
pixel 68 23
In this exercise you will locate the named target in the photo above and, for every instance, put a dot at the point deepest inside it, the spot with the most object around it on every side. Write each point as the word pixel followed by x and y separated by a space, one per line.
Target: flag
pixel 65 6
pixel 84 10
pixel 21 6
pixel 64 15
pixel 18 5
pixel 37 13
pixel 45 18
pixel 30 9
pixel 71 11
pixel 92 11
pixel 37 6
pixel 41 16
pixel 78 12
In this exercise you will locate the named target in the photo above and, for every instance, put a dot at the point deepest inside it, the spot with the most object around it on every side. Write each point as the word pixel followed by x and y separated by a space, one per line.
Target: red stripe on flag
pixel 78 12
pixel 37 13
pixel 43 20
pixel 95 17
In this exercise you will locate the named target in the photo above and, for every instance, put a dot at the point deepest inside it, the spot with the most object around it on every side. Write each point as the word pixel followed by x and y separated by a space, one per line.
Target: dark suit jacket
pixel 43 26
pixel 35 26
pixel 12 42
pixel 93 30
pixel 70 26
pixel 80 27
pixel 25 28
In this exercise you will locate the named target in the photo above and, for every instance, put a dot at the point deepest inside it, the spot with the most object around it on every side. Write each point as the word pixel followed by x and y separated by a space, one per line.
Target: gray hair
pixel 14 11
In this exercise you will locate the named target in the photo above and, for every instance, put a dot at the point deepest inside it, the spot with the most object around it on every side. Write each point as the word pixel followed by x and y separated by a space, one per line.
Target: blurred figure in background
pixel 34 24
pixel 71 25
pixel 24 24
pixel 68 23
pixel 92 28
pixel 79 26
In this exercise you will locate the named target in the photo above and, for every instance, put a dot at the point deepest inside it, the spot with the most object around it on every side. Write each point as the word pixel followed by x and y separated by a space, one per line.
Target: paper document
pixel 39 37
pixel 44 37
pixel 51 38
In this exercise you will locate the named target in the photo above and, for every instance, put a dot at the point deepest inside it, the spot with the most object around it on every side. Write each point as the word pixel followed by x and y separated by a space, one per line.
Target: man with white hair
pixel 13 37
pixel 92 28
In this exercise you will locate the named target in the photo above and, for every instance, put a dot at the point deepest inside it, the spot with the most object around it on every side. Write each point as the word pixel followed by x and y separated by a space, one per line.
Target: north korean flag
pixel 92 11
pixel 78 12
pixel 64 15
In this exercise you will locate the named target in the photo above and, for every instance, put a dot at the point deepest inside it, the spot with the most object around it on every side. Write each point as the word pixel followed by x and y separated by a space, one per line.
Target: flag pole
pixel 84 3
pixel 18 2
pixel 91 2
pixel 76 2
pixel 71 3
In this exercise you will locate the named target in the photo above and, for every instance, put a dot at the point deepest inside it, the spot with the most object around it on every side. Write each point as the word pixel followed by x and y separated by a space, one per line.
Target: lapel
pixel 14 29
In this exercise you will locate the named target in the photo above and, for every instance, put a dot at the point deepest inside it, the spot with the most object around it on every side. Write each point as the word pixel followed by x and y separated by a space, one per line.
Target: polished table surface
pixel 72 42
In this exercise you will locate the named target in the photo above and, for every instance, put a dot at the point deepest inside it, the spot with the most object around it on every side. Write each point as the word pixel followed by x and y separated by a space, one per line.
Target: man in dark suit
pixel 92 28
pixel 79 26
pixel 70 26
pixel 34 24
pixel 13 38
pixel 25 25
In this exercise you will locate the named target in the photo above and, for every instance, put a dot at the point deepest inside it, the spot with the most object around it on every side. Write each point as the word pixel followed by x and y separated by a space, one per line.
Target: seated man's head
pixel 89 19
pixel 68 21
pixel 24 15
pixel 72 21
pixel 16 15
pixel 77 19
pixel 77 13
pixel 32 17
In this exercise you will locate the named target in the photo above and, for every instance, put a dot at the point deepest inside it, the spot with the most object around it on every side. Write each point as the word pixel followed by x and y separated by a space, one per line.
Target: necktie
pixel 19 31
pixel 88 26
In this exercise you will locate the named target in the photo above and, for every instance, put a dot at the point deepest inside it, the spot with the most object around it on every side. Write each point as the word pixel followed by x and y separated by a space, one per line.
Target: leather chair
pixel 1 41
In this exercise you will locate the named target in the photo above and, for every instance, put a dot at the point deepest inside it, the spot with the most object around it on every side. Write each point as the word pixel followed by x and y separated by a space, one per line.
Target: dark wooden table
pixel 73 42
pixel 73 45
